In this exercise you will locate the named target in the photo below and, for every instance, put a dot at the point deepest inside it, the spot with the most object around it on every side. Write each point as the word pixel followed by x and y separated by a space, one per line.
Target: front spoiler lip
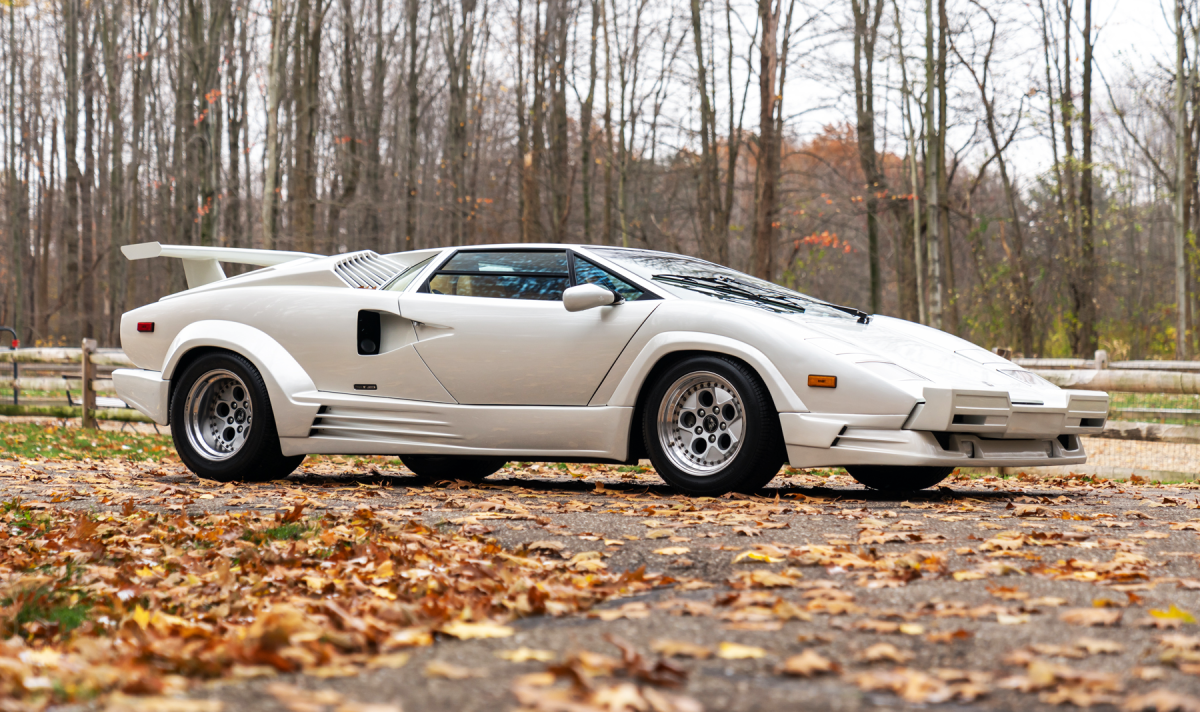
pixel 913 448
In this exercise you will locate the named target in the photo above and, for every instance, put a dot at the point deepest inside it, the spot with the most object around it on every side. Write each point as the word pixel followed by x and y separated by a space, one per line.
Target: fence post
pixel 89 374
pixel 1101 358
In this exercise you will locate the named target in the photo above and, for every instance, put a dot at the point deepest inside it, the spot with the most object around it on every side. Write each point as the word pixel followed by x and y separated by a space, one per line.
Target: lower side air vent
pixel 397 426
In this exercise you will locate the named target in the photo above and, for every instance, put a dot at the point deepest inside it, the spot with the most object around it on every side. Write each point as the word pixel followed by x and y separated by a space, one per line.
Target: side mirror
pixel 587 296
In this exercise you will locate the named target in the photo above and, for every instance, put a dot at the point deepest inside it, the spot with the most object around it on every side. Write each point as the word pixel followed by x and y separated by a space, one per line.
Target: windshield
pixel 688 277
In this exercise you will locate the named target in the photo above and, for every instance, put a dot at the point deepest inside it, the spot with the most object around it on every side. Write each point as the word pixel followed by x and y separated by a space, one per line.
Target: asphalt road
pixel 987 593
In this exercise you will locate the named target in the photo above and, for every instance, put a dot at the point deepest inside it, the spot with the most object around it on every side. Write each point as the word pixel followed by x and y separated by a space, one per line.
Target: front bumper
pixel 992 413
pixel 952 427
pixel 146 391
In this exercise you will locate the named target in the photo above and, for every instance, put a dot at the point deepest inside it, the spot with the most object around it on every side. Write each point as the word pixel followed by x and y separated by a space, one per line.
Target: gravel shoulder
pixel 1002 592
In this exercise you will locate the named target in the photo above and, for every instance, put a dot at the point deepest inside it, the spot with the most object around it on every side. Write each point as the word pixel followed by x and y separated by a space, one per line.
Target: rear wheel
pixel 453 467
pixel 710 427
pixel 882 477
pixel 222 423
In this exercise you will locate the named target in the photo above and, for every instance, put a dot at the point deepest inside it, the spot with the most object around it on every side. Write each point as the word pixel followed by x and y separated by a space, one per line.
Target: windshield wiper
pixel 721 284
pixel 727 288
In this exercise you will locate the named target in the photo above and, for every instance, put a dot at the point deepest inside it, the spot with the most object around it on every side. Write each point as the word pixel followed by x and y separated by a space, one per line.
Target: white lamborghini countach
pixel 460 359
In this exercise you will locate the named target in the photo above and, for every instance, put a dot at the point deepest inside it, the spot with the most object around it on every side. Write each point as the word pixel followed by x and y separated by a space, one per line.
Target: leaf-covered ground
pixel 354 586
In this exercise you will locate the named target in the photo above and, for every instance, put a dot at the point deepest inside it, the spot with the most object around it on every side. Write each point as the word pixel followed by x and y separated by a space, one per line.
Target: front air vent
pixel 366 270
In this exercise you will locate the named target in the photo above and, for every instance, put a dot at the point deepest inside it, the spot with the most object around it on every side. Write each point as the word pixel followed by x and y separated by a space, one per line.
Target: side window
pixel 540 275
pixel 588 273
pixel 399 284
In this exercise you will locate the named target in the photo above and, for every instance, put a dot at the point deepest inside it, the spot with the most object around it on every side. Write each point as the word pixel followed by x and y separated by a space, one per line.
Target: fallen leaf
pixel 1091 616
pixel 757 556
pixel 737 651
pixel 389 660
pixel 672 551
pixel 1173 613
pixel 524 655
pixel 949 636
pixel 680 649
pixel 123 703
pixel 1161 701
pixel 1095 646
pixel 881 652
pixel 468 631
pixel 450 671
pixel 808 664
pixel 351 706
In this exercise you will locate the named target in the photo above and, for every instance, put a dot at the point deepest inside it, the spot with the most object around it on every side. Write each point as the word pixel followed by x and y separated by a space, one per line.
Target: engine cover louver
pixel 366 270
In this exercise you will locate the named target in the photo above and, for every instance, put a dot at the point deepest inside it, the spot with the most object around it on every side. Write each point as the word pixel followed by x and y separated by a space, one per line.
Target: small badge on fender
pixel 365 387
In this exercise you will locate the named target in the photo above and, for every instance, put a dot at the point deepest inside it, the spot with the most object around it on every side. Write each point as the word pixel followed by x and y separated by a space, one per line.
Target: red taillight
pixel 145 326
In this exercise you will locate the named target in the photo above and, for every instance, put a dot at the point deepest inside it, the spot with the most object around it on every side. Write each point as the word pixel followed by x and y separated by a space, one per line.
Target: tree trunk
pixel 110 19
pixel 767 174
pixel 458 41
pixel 87 291
pixel 310 22
pixel 349 134
pixel 1085 304
pixel 559 18
pixel 866 28
pixel 949 305
pixel 606 238
pixel 236 120
pixel 710 245
pixel 909 261
pixel 279 22
pixel 373 223
pixel 585 124
pixel 531 214
pixel 1181 150
pixel 932 160
pixel 68 299
pixel 412 11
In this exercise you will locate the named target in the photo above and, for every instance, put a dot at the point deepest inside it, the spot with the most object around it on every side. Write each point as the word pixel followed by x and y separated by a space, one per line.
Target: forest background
pixel 966 163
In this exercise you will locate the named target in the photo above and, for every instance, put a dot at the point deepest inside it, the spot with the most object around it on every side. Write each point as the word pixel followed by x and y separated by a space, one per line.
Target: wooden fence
pixel 1141 392
pixel 56 373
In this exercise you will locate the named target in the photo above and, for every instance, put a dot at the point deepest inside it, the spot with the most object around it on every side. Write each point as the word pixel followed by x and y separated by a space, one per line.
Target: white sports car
pixel 460 359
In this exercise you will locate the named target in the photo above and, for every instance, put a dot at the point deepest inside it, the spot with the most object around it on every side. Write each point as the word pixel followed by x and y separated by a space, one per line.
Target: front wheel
pixel 453 467
pixel 222 424
pixel 710 427
pixel 882 477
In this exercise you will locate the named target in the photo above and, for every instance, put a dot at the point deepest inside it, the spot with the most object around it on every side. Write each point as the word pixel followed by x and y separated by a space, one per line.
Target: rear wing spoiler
pixel 201 264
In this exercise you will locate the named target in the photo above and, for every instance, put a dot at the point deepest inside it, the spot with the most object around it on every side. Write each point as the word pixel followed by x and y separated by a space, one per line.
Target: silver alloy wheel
pixel 701 423
pixel 218 414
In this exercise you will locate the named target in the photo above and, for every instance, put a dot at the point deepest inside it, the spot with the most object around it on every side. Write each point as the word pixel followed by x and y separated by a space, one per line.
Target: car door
pixel 492 327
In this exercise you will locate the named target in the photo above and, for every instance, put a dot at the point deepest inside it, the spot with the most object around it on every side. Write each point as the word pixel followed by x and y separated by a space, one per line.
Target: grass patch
pixel 43 610
pixel 29 441
pixel 291 531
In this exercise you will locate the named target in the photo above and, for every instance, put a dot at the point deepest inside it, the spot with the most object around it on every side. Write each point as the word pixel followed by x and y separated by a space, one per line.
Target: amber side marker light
pixel 822 381
pixel 146 326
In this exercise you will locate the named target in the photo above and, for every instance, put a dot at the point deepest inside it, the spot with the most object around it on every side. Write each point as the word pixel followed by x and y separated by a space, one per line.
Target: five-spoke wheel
pixel 219 414
pixel 710 427
pixel 700 423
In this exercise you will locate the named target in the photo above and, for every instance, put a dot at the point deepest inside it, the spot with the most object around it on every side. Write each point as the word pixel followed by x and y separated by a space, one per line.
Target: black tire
pixel 453 467
pixel 898 479
pixel 759 451
pixel 257 457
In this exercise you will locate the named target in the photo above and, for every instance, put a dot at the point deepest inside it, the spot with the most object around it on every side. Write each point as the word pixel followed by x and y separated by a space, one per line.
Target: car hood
pixel 933 355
